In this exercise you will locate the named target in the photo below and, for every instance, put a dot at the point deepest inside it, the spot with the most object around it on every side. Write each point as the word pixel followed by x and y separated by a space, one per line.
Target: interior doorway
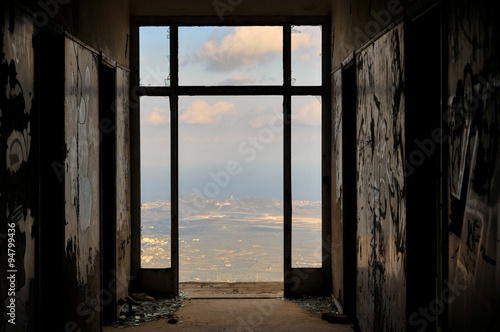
pixel 230 188
pixel 424 164
pixel 107 174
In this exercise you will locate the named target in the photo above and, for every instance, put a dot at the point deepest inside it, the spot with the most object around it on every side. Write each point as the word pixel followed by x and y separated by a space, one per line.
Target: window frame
pixel 296 280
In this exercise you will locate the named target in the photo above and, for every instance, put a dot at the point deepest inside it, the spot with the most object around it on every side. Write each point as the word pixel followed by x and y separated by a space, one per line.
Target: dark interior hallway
pixel 407 109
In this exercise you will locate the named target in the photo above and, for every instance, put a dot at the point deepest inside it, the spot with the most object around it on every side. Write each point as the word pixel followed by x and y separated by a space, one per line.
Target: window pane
pixel 155 182
pixel 211 56
pixel 231 188
pixel 154 54
pixel 306 182
pixel 306 55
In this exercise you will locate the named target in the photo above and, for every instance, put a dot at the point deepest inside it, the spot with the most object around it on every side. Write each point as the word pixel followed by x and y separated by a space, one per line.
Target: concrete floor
pixel 241 315
pixel 238 307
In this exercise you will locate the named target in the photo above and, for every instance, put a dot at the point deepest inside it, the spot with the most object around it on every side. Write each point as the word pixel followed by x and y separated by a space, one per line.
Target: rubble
pixel 317 304
pixel 140 308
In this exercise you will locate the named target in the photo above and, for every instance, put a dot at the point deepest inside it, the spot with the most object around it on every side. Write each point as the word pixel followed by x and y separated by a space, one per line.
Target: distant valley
pixel 238 239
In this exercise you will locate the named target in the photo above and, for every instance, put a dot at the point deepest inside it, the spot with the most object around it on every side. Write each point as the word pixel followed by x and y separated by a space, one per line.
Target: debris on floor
pixel 139 308
pixel 316 304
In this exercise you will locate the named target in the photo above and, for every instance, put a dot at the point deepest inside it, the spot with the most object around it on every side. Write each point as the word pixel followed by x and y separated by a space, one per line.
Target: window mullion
pixel 174 167
pixel 287 152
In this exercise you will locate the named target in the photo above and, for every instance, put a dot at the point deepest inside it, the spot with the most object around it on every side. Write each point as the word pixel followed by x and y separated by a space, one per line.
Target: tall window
pixel 232 137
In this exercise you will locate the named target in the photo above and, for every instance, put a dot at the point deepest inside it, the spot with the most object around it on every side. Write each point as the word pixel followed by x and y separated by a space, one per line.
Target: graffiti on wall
pixel 16 73
pixel 381 185
pixel 81 195
pixel 82 159
pixel 18 201
pixel 337 133
pixel 337 199
pixel 474 163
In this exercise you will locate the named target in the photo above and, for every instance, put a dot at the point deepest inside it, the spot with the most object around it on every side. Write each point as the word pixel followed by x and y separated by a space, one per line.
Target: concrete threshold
pixel 232 290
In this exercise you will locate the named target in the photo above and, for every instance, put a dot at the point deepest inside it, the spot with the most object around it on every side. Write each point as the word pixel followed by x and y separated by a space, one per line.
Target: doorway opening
pixel 107 174
pixel 230 188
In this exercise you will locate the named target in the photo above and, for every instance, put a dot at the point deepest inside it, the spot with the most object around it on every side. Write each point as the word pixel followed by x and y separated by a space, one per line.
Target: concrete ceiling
pixel 234 7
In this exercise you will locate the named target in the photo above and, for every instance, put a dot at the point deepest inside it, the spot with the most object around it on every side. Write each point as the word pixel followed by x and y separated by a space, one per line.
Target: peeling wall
pixel 82 257
pixel 18 162
pixel 473 121
pixel 123 216
pixel 381 213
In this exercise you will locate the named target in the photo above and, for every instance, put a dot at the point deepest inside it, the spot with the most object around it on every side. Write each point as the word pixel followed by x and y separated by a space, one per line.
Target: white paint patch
pixel 18 148
pixel 23 294
pixel 85 202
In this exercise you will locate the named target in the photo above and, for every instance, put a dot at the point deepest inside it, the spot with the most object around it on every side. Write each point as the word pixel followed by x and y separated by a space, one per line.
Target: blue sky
pixel 242 132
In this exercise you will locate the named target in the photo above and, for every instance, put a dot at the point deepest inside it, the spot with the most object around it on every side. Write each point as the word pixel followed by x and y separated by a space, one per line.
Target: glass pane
pixel 306 55
pixel 154 54
pixel 306 181
pixel 231 55
pixel 155 182
pixel 231 188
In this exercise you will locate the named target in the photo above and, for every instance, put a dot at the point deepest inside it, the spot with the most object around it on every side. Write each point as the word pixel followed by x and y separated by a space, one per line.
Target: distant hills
pixel 238 239
pixel 192 205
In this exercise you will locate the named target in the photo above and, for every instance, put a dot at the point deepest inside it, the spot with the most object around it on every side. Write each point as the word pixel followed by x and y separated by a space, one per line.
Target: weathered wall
pixel 381 212
pixel 123 227
pixel 82 257
pixel 337 199
pixel 469 282
pixel 473 121
pixel 101 24
pixel 18 170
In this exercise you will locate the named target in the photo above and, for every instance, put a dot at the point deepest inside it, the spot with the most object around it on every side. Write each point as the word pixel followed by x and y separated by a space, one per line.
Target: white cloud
pixel 309 115
pixel 305 57
pixel 302 40
pixel 258 122
pixel 267 120
pixel 307 44
pixel 155 117
pixel 239 80
pixel 245 46
pixel 200 112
